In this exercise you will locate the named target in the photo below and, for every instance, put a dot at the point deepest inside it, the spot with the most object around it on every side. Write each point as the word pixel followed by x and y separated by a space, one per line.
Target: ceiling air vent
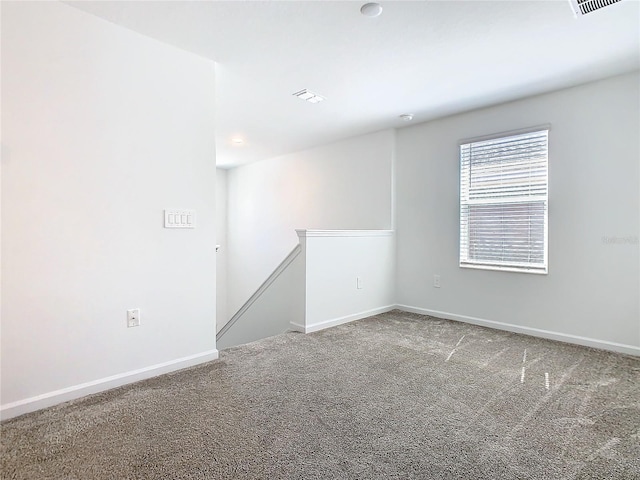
pixel 309 96
pixel 582 7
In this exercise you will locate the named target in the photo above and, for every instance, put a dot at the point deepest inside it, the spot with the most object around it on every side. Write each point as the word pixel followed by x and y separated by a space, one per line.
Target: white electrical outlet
pixel 133 317
pixel 436 281
pixel 359 283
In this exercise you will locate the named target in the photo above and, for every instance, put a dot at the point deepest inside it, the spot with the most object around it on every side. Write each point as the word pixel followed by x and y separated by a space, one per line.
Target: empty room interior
pixel 320 239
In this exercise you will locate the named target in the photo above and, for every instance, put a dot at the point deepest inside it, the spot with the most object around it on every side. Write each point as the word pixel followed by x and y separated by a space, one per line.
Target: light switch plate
pixel 179 218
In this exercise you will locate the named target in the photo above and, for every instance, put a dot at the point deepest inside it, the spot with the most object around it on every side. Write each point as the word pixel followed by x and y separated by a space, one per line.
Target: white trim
pixel 314 327
pixel 535 332
pixel 510 133
pixel 510 268
pixel 49 399
pixel 344 233
pixel 393 180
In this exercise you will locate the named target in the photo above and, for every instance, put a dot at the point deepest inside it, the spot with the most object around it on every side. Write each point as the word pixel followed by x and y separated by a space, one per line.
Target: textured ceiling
pixel 429 58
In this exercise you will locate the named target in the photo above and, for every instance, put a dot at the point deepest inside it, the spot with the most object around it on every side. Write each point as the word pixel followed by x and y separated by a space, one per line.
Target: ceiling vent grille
pixel 309 96
pixel 582 7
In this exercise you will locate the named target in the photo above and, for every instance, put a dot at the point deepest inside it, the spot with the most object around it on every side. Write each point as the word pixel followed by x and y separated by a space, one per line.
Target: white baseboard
pixel 535 332
pixel 50 399
pixel 314 327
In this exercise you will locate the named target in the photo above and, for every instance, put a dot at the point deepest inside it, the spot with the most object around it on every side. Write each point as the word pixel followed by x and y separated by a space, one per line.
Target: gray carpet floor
pixel 395 396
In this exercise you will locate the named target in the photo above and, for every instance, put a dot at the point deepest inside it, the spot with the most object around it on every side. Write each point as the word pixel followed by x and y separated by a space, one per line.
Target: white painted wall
pixel 334 260
pixel 221 256
pixel 316 286
pixel 345 185
pixel 592 289
pixel 102 129
pixel 271 310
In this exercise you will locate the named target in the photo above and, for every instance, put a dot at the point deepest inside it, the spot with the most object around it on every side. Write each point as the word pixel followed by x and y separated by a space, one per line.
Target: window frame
pixel 516 267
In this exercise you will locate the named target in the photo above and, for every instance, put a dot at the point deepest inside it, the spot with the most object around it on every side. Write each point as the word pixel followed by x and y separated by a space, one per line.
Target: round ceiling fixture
pixel 371 9
pixel 237 141
pixel 407 117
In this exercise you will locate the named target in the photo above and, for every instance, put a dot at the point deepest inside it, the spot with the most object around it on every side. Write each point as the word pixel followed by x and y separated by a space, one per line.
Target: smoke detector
pixel 582 7
pixel 371 9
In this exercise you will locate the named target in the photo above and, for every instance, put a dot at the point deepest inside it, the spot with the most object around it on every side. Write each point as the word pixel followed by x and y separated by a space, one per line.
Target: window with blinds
pixel 504 201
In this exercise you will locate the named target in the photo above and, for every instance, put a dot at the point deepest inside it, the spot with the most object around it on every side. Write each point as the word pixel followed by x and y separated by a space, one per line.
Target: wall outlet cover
pixel 133 317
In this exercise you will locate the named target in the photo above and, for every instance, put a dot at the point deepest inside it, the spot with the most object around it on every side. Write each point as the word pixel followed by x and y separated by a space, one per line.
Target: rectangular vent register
pixel 582 7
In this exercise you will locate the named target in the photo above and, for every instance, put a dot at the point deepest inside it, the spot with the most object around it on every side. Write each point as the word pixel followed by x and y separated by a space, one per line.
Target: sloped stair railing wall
pixel 331 277
pixel 271 308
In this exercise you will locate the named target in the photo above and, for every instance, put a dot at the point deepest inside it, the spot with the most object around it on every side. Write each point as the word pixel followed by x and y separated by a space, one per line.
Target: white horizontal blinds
pixel 503 202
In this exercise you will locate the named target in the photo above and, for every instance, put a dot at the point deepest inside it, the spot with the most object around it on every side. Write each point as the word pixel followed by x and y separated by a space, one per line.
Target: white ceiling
pixel 429 58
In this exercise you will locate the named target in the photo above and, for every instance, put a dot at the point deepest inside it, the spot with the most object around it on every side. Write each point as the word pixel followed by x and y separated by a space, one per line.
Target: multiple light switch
pixel 179 219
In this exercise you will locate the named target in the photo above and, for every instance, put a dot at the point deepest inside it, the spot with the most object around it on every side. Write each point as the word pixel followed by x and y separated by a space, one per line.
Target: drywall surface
pixel 348 275
pixel 221 255
pixel 276 305
pixel 346 185
pixel 102 129
pixel 592 289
